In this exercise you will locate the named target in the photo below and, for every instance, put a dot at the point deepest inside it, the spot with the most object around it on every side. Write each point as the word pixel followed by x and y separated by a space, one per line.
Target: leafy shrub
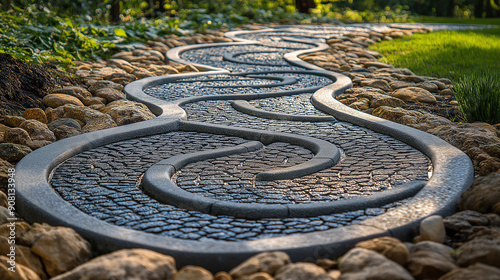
pixel 479 96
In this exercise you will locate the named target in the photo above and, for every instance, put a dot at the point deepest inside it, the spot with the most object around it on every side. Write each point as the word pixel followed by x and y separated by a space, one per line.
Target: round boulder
pixel 414 94
pixel 56 99
pixel 17 136
pixel 64 121
pixel 35 114
pixel 483 196
pixel 38 130
pixel 127 112
pixel 125 264
pixel 13 152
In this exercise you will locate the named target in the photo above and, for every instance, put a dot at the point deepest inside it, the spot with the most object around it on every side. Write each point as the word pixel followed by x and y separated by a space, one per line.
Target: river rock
pixel 375 83
pixel 122 63
pixel 385 100
pixel 4 215
pixel 24 256
pixel 258 276
pixel 431 260
pixel 431 87
pixel 268 262
pixel 190 272
pixel 376 64
pixel 470 139
pixel 38 130
pixel 483 196
pixel 400 84
pixel 4 174
pixel 414 94
pixel 93 120
pixel 4 202
pixel 446 92
pixel 483 248
pixel 37 144
pixel 78 92
pixel 398 115
pixel 392 248
pixel 64 131
pixel 363 264
pixel 429 121
pixel 17 136
pixel 222 275
pixel 360 104
pixel 122 78
pixel 55 100
pixel 95 100
pixel 127 112
pixel 477 271
pixel 64 121
pixel 110 94
pixel 432 229
pixel 35 114
pixel 126 264
pixel 13 152
pixel 141 73
pixel 95 85
pixel 22 272
pixel 299 271
pixel 3 128
pixel 465 220
pixel 13 121
pixel 61 249
pixel 21 228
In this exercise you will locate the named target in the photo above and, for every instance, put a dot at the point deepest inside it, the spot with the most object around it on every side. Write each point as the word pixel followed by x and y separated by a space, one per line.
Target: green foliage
pixel 479 96
pixel 39 36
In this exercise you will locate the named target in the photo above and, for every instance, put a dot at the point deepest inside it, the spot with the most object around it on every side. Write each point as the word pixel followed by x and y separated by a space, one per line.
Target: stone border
pixel 38 202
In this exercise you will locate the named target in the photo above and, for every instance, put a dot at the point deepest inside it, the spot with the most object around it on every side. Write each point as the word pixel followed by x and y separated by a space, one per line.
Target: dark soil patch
pixel 23 85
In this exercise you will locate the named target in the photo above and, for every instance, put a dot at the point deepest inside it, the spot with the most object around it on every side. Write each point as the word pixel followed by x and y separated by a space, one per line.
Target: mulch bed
pixel 23 85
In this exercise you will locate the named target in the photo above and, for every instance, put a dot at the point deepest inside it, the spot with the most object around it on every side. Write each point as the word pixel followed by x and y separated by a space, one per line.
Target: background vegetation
pixel 62 31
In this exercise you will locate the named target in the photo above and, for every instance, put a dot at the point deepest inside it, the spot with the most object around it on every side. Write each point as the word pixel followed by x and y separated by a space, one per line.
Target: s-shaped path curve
pixel 254 154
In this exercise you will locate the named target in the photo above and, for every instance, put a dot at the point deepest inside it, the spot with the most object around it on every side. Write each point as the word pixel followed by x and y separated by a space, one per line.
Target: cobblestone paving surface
pixel 213 85
pixel 105 182
pixel 213 56
pixel 295 105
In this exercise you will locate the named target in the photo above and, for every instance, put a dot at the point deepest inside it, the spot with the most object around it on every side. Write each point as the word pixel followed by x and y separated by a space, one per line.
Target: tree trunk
pixel 304 6
pixel 478 8
pixel 115 11
pixel 161 6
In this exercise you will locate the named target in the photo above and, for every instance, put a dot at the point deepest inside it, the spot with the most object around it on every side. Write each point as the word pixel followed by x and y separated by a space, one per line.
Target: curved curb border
pixel 452 174
pixel 245 107
pixel 325 153
pixel 37 201
pixel 158 184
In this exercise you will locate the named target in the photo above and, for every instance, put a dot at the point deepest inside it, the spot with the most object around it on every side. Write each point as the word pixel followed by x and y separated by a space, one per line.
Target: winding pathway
pixel 254 154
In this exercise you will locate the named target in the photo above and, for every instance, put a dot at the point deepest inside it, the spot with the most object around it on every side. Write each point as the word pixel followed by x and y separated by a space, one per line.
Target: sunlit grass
pixel 449 54
pixel 479 96
pixel 426 19
pixel 471 58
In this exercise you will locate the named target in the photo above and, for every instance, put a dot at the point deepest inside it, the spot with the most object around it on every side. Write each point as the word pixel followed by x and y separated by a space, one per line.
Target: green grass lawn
pixel 426 19
pixel 471 58
pixel 448 54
